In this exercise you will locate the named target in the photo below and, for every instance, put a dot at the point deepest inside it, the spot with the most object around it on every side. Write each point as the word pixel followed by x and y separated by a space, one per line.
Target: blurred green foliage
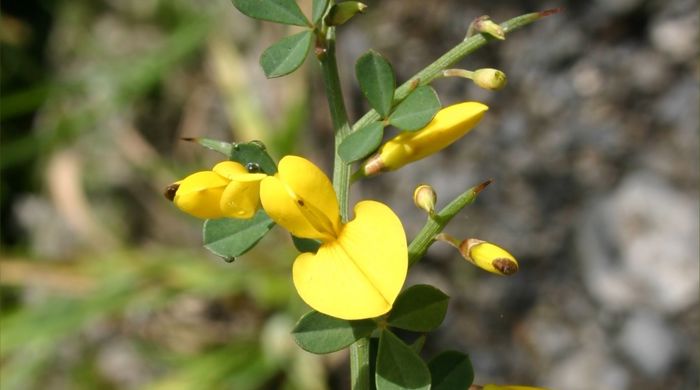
pixel 97 290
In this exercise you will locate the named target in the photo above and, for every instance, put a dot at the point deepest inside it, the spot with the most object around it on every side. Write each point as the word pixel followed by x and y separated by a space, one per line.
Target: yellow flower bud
pixel 489 78
pixel 485 255
pixel 228 190
pixel 424 197
pixel 448 125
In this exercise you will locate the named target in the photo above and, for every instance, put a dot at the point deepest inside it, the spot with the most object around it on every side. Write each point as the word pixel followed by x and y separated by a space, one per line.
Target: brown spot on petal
pixel 170 191
pixel 505 266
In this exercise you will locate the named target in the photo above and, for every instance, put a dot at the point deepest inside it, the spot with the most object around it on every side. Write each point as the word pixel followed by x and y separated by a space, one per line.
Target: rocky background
pixel 593 146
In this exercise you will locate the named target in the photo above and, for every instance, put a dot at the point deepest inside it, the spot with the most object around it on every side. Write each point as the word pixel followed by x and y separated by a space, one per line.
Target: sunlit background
pixel 593 146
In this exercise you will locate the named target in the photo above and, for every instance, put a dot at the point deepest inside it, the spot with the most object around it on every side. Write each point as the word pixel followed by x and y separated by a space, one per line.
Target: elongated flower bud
pixel 424 197
pixel 485 255
pixel 448 125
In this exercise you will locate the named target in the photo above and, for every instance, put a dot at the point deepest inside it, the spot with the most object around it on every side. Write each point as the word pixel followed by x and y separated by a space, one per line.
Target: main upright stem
pixel 339 117
pixel 359 351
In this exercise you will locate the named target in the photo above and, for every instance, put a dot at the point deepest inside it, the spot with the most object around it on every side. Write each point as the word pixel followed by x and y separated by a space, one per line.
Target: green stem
pixel 359 365
pixel 434 70
pixel 339 117
pixel 359 351
pixel 436 223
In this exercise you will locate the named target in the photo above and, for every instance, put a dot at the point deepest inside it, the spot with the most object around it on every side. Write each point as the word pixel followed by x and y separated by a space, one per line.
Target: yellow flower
pixel 448 125
pixel 360 266
pixel 228 190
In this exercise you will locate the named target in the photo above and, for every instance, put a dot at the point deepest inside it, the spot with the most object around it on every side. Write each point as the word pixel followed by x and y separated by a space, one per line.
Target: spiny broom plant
pixel 351 271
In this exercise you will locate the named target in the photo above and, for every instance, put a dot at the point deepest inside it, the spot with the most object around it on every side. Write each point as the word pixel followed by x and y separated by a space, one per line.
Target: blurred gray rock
pixel 648 341
pixel 639 246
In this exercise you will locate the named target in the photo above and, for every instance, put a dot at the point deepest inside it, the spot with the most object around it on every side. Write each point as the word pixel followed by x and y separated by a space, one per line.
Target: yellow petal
pixel 361 273
pixel 448 125
pixel 240 199
pixel 301 199
pixel 199 194
pixel 236 171
pixel 228 169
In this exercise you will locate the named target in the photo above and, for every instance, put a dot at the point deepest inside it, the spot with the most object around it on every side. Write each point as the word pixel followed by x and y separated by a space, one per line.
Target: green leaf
pixel 419 343
pixel 318 333
pixel 451 370
pixel 230 237
pixel 213 144
pixel 318 8
pixel 398 366
pixel 285 56
pixel 253 152
pixel 359 144
pixel 420 308
pixel 377 81
pixel 279 11
pixel 305 244
pixel 417 110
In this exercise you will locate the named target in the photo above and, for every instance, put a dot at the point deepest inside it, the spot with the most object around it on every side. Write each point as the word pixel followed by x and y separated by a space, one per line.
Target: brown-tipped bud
pixel 424 197
pixel 170 191
pixel 485 255
pixel 344 11
pixel 489 78
pixel 484 24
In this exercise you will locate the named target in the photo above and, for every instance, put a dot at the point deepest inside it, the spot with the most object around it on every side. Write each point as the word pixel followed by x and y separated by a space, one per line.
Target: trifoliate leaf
pixel 285 56
pixel 279 11
pixel 230 237
pixel 398 366
pixel 420 308
pixel 319 333
pixel 417 110
pixel 359 144
pixel 377 81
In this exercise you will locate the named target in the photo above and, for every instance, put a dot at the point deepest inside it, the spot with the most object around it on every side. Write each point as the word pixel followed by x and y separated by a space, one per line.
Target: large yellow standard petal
pixel 199 194
pixel 448 125
pixel 300 198
pixel 360 274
